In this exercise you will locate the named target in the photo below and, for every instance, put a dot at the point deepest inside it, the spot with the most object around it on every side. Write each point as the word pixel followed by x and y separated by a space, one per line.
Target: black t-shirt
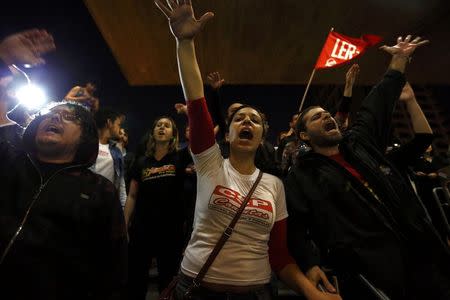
pixel 159 200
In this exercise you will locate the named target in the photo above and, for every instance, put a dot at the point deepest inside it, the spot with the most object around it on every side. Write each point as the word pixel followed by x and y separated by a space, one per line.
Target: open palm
pixel 404 47
pixel 181 18
pixel 26 47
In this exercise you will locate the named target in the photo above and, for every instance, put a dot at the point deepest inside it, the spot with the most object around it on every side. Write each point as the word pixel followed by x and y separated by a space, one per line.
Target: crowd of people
pixel 334 211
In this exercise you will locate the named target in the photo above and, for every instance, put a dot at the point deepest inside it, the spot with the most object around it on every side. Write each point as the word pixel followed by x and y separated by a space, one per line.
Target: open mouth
pixel 53 129
pixel 245 134
pixel 330 126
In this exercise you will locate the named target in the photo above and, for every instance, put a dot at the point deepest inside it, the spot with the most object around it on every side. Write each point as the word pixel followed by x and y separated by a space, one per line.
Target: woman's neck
pixel 161 149
pixel 244 163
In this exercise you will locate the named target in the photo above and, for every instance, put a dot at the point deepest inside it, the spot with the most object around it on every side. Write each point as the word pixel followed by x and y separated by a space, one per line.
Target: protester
pixel 290 146
pixel 128 157
pixel 155 210
pixel 356 207
pixel 109 162
pixel 62 232
pixel 242 269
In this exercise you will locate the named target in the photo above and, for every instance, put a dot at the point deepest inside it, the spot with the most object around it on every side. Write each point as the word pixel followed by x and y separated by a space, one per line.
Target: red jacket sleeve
pixel 279 256
pixel 200 126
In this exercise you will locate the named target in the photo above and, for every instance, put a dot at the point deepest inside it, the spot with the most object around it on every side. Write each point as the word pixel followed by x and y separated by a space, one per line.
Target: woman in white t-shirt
pixel 258 243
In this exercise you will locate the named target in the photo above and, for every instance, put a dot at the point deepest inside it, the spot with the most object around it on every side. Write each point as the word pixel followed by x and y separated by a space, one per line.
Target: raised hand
pixel 181 108
pixel 405 47
pixel 26 47
pixel 351 75
pixel 182 21
pixel 407 93
pixel 214 80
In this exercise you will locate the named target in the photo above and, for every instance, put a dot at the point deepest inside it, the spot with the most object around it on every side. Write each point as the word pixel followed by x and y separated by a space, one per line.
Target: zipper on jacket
pixel 42 186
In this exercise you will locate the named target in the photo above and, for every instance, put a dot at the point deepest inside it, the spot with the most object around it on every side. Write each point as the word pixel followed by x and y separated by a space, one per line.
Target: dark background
pixel 82 55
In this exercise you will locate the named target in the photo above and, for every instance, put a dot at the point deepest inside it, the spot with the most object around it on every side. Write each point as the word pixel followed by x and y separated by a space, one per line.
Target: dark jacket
pixel 72 244
pixel 351 227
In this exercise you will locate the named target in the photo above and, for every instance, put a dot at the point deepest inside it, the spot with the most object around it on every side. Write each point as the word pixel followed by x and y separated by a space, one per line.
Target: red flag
pixel 339 49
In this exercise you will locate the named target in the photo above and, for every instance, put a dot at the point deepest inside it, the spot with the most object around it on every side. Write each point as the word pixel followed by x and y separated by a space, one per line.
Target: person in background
pixel 128 157
pixel 155 210
pixel 109 162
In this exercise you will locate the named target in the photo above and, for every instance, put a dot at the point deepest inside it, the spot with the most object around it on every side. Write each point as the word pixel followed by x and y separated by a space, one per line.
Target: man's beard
pixel 326 141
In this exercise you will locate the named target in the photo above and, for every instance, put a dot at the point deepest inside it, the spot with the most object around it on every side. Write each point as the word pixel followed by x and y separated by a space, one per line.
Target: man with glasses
pixel 62 231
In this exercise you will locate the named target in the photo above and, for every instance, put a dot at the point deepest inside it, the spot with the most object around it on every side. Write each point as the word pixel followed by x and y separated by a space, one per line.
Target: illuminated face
pixel 163 130
pixel 321 129
pixel 246 130
pixel 58 134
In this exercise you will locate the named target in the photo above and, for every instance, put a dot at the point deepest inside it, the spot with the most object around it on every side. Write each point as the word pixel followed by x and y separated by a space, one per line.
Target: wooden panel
pixel 272 41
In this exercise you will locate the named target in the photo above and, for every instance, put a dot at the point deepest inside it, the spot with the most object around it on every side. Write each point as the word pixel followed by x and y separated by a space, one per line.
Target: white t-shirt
pixel 104 164
pixel 244 259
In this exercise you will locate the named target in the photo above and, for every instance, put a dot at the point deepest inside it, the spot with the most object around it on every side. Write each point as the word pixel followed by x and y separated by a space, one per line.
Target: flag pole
pixel 309 83
pixel 306 90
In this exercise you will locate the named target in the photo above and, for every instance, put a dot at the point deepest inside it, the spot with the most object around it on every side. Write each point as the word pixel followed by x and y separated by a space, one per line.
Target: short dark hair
pixel 301 124
pixel 104 114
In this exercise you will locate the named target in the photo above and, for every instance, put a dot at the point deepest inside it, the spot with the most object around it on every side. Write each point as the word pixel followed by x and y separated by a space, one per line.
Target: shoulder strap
pixel 225 236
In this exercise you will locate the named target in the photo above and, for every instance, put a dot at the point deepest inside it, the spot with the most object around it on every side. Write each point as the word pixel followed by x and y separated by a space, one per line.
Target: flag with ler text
pixel 339 49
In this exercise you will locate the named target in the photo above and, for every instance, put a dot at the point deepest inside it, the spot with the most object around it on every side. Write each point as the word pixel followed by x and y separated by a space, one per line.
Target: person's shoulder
pixel 272 179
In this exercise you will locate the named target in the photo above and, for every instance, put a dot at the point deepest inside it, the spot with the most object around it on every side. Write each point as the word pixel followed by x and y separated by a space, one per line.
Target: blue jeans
pixel 201 293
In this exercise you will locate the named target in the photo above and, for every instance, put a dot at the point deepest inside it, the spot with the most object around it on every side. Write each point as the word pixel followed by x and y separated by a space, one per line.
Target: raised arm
pixel 343 110
pixel 184 28
pixel 423 135
pixel 26 47
pixel 72 95
pixel 215 81
pixel 374 118
pixel 419 121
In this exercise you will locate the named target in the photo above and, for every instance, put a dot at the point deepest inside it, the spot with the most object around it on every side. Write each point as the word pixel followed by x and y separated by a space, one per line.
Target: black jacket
pixel 73 242
pixel 329 206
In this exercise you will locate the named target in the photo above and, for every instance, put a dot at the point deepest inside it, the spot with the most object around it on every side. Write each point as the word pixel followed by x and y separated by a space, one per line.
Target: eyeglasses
pixel 66 116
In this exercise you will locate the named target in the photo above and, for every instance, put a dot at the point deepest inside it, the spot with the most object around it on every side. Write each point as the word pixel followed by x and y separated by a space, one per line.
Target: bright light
pixel 31 96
